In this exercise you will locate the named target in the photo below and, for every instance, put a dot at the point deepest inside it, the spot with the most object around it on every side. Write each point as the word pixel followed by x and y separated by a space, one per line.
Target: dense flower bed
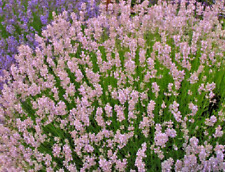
pixel 20 20
pixel 119 92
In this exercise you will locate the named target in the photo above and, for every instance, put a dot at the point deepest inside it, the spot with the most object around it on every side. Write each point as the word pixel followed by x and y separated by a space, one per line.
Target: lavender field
pixel 87 85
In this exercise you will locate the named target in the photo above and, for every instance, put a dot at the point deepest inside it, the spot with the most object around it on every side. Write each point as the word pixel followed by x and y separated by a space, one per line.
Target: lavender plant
pixel 153 2
pixel 119 93
pixel 20 20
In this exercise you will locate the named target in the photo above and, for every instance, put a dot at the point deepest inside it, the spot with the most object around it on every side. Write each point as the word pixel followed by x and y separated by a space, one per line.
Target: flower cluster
pixel 119 92
pixel 20 20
